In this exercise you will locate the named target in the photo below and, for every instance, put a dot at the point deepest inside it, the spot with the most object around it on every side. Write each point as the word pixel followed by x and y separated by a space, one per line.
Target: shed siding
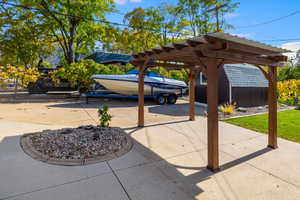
pixel 201 93
pixel 250 96
pixel 223 87
pixel 223 93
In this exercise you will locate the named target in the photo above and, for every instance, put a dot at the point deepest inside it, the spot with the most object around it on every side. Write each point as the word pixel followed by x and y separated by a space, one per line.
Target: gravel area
pixel 77 144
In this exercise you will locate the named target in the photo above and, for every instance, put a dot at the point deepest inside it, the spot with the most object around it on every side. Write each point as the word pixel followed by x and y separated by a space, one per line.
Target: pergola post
pixel 212 117
pixel 192 85
pixel 141 97
pixel 272 101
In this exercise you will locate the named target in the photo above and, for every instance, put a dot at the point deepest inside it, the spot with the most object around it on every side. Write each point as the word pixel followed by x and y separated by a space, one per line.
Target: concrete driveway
pixel 167 161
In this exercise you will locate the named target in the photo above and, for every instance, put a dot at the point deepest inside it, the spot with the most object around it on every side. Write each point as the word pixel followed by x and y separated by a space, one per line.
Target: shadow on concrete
pixel 203 172
pixel 135 128
pixel 245 158
pixel 96 103
pixel 179 184
pixel 176 109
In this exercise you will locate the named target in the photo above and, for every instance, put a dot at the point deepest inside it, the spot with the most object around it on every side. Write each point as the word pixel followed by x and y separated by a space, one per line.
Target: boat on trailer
pixel 162 88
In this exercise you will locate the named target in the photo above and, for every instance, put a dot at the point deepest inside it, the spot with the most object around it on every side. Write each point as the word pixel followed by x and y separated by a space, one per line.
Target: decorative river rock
pixel 77 146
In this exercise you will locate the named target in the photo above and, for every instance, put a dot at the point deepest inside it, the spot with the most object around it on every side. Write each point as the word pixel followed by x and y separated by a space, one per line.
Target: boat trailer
pixel 160 98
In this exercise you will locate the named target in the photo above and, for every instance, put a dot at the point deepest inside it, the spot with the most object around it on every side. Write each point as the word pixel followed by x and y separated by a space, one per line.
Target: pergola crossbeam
pixel 238 57
pixel 164 64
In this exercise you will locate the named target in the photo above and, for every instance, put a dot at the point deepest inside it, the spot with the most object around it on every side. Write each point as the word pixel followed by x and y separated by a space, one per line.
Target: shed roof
pixel 245 75
pixel 104 57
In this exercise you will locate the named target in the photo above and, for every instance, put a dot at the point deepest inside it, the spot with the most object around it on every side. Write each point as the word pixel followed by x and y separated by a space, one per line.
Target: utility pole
pixel 216 10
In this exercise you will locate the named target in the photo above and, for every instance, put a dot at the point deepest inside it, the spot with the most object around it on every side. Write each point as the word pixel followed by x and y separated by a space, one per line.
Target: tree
pixel 171 25
pixel 142 32
pixel 291 70
pixel 200 20
pixel 23 40
pixel 148 28
pixel 295 62
pixel 75 24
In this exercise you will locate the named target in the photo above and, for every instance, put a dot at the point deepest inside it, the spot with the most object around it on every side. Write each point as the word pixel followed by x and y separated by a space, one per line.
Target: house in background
pixel 110 58
pixel 242 84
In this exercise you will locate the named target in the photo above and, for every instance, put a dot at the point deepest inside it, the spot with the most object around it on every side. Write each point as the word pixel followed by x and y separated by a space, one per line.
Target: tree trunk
pixel 73 23
pixel 16 88
pixel 70 55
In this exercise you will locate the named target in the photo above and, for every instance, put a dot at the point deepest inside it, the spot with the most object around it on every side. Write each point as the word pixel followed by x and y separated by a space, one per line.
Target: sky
pixel 245 19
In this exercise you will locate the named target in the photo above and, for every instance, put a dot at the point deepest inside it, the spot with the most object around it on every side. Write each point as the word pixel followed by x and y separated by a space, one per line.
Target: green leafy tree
pixel 23 39
pixel 148 28
pixel 75 24
pixel 198 18
pixel 172 26
pixel 142 33
pixel 291 70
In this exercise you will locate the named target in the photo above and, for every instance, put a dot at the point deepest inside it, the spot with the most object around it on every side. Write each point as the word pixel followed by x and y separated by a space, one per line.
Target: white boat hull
pixel 131 87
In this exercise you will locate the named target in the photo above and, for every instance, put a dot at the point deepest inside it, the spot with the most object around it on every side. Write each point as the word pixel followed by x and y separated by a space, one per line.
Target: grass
pixel 288 124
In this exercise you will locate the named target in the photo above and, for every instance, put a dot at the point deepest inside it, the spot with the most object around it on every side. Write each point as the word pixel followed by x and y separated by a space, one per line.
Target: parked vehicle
pixel 162 89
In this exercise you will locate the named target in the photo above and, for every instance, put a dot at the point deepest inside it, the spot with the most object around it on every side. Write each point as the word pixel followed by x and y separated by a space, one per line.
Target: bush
pixel 3 75
pixel 104 116
pixel 182 75
pixel 20 75
pixel 227 109
pixel 289 72
pixel 79 74
pixel 289 92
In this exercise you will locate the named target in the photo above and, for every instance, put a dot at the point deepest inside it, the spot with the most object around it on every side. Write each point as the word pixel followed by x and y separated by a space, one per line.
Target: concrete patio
pixel 168 160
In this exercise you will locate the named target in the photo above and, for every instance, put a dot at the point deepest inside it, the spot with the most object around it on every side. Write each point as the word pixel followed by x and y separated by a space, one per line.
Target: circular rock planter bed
pixel 77 146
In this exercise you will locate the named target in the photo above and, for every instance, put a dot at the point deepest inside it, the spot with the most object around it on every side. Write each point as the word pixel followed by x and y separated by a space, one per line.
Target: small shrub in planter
pixel 104 116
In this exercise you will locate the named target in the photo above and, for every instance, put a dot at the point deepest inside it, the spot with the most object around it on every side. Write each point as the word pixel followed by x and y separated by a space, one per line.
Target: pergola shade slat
pixel 233 50
pixel 246 42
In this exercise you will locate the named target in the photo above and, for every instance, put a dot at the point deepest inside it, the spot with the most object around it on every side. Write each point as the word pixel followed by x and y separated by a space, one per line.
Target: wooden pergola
pixel 207 53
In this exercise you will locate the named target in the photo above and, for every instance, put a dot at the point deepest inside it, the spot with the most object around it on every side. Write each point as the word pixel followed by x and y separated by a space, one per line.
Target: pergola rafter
pixel 208 53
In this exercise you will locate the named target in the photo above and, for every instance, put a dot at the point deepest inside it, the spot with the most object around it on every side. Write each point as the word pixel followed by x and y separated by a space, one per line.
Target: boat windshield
pixel 150 74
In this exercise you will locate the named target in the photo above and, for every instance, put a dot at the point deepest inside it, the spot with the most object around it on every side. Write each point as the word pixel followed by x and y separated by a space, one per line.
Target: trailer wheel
pixel 172 98
pixel 160 100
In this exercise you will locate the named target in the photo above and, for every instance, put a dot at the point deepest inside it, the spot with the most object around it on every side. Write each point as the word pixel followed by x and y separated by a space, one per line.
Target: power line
pixel 88 19
pixel 63 14
pixel 283 40
pixel 271 21
pixel 126 25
